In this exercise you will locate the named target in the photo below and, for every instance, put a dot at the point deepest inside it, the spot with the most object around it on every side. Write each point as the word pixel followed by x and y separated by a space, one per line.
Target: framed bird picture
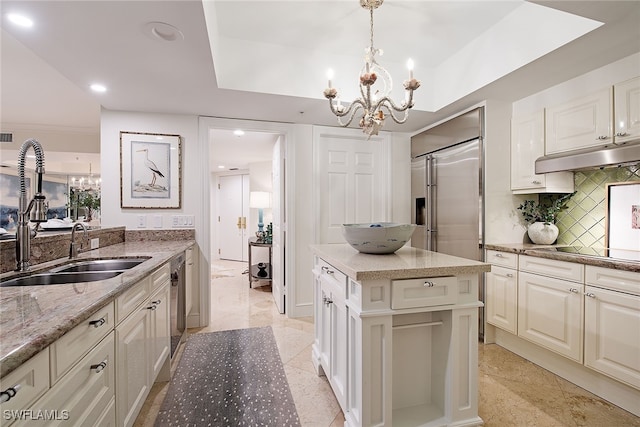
pixel 150 170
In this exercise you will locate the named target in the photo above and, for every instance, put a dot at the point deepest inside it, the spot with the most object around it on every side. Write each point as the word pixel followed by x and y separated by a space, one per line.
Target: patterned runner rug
pixel 229 378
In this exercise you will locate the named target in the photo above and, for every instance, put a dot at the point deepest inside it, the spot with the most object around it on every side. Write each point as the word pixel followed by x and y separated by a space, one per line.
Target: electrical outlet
pixel 142 221
pixel 157 221
pixel 95 243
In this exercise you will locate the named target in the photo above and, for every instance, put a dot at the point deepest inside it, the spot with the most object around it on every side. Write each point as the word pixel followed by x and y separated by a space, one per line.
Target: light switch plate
pixel 95 243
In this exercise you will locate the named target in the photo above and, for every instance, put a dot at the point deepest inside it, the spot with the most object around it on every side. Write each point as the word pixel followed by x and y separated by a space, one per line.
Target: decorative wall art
pixel 9 199
pixel 623 220
pixel 56 192
pixel 150 170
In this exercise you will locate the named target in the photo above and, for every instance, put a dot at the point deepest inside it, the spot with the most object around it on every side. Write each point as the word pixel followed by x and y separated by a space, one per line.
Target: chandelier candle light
pixel 373 104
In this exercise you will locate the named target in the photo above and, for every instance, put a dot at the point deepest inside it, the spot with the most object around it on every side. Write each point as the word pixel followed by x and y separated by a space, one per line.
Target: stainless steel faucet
pixel 73 250
pixel 34 210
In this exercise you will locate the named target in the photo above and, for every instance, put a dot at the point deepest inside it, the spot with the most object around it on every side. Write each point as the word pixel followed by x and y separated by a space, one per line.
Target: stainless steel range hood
pixel 587 159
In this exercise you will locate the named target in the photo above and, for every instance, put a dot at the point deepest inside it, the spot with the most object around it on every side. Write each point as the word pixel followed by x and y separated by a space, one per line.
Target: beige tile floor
pixel 513 391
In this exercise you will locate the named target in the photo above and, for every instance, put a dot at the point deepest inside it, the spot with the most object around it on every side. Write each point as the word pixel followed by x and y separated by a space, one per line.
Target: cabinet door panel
pixel 550 313
pixel 582 123
pixel 527 144
pixel 160 332
pixel 132 352
pixel 338 373
pixel 502 298
pixel 612 337
pixel 627 110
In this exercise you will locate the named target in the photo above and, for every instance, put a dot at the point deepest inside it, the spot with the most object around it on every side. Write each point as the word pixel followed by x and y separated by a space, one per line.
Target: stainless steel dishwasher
pixel 178 306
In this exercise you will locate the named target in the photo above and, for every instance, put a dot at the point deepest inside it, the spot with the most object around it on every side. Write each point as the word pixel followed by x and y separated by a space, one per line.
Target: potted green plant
pixel 90 201
pixel 542 216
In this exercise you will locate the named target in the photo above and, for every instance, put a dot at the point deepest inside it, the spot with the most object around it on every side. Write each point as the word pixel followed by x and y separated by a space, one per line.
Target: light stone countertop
pixel 551 252
pixel 33 317
pixel 405 263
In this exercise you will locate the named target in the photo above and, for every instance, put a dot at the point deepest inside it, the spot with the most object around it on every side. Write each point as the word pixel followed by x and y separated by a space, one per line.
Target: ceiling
pixel 267 60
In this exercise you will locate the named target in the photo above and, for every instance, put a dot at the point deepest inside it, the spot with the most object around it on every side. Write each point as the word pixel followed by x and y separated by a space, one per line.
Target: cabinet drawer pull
pixel 428 284
pixel 99 367
pixel 621 134
pixel 574 290
pixel 602 138
pixel 509 274
pixel 327 270
pixel 156 302
pixel 98 323
pixel 9 393
pixel 152 307
pixel 590 295
pixel 499 256
pixel 327 301
pixel 536 182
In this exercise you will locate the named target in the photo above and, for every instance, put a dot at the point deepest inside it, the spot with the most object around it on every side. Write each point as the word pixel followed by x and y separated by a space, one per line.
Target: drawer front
pixel 73 345
pixel 552 268
pixel 160 277
pixel 86 391
pixel 409 293
pixel 132 298
pixel 503 259
pixel 625 281
pixel 329 272
pixel 32 381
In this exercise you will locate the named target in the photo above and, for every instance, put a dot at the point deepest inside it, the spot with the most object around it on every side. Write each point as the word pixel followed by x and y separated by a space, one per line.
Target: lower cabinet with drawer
pixel 587 316
pixel 142 345
pixel 398 351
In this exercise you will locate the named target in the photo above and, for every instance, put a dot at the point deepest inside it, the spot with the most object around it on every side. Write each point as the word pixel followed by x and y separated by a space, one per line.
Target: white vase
pixel 542 233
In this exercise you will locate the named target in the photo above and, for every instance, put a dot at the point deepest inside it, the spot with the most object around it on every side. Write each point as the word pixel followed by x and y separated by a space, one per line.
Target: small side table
pixel 256 273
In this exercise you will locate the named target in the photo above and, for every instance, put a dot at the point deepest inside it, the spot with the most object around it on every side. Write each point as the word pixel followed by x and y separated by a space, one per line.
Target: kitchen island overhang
pixel 397 335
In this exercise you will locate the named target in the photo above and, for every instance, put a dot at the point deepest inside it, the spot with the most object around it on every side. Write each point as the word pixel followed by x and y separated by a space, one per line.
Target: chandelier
pixel 374 101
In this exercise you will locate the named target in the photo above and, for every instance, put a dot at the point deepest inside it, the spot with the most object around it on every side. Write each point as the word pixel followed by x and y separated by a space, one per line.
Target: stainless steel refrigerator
pixel 446 189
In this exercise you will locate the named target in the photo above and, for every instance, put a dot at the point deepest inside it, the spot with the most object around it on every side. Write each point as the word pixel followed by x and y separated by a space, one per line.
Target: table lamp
pixel 260 200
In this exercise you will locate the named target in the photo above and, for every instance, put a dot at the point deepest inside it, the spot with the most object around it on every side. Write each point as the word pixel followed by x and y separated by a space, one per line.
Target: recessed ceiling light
pixel 96 87
pixel 238 132
pixel 163 32
pixel 20 20
pixel 220 167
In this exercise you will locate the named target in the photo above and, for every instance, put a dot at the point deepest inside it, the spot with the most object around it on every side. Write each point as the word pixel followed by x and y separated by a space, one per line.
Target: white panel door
pixel 352 180
pixel 627 110
pixel 233 209
pixel 277 243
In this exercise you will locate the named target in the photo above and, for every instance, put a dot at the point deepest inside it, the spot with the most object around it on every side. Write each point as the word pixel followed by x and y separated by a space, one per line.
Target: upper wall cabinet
pixel 527 144
pixel 627 111
pixel 582 123
pixel 609 116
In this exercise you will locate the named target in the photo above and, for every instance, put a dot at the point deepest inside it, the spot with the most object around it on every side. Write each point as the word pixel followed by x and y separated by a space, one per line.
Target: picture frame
pixel 150 170
pixel 622 233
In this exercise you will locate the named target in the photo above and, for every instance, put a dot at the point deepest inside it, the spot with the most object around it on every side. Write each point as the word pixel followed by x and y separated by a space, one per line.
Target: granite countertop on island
pixel 406 263
pixel 33 317
pixel 557 252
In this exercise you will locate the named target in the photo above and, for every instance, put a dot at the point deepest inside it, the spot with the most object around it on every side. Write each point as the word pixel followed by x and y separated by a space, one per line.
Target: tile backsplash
pixel 583 222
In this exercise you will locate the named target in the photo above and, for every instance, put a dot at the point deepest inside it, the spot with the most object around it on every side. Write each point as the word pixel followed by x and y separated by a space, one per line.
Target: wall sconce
pixel 260 200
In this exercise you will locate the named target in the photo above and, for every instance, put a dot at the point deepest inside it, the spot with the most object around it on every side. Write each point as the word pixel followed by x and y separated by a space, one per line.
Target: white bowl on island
pixel 377 237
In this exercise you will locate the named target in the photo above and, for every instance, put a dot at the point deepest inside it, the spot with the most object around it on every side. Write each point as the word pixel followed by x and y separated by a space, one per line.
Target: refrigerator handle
pixel 430 220
pixel 434 206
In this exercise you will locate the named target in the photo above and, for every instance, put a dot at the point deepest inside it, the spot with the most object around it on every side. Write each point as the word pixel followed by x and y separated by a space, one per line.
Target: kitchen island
pixel 397 335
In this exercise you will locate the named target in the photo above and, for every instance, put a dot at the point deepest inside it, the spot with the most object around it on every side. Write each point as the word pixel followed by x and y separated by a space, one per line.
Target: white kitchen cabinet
pixel 550 313
pixel 626 97
pixel 332 329
pixel 581 123
pixel 612 322
pixel 501 298
pixel 26 384
pixel 142 344
pixel 189 283
pixel 132 372
pixel 528 144
pixel 406 364
pixel 85 393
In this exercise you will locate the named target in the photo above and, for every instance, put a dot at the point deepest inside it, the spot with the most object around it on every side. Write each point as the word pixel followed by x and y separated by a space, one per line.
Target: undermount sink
pixel 100 265
pixel 60 278
pixel 78 272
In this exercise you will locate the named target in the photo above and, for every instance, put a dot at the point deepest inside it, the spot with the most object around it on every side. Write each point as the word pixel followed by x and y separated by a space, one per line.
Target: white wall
pixel 194 179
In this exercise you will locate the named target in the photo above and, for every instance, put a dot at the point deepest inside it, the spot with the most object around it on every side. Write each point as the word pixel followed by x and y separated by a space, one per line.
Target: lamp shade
pixel 259 199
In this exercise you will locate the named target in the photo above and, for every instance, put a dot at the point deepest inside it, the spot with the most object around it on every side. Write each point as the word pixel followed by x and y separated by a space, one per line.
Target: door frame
pixel 205 125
